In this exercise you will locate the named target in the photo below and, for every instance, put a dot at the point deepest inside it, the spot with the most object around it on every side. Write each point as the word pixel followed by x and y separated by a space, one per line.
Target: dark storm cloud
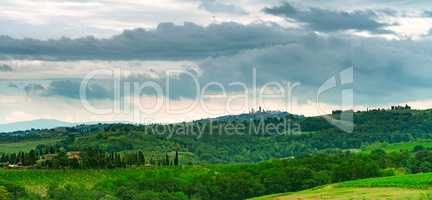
pixel 167 41
pixel 385 71
pixel 5 68
pixel 331 20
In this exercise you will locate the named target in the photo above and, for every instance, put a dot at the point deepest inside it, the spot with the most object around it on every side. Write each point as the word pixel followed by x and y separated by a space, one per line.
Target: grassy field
pixel 395 147
pixel 330 193
pixel 25 146
pixel 418 181
pixel 414 187
pixel 37 181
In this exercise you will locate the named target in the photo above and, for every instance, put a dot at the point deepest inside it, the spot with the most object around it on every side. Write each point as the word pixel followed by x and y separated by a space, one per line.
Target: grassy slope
pixel 395 147
pixel 37 180
pixel 330 193
pixel 25 146
pixel 420 181
pixel 414 187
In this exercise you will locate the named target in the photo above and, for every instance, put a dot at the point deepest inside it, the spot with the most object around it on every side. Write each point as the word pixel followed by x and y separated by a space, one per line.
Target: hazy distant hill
pixel 34 124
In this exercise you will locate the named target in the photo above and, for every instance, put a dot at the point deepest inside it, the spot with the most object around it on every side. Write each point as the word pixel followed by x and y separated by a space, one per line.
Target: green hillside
pixel 400 146
pixel 331 193
pixel 124 161
pixel 25 145
pixel 414 187
pixel 39 181
pixel 211 142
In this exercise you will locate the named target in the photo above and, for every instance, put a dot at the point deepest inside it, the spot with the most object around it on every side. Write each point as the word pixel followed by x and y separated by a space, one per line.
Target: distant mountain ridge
pixel 52 123
pixel 48 124
pixel 34 124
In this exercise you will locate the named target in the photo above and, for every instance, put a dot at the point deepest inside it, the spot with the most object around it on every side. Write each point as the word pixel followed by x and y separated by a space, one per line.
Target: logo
pixel 345 121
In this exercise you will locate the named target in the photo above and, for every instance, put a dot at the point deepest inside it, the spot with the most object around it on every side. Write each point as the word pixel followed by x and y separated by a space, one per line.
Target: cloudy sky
pixel 180 60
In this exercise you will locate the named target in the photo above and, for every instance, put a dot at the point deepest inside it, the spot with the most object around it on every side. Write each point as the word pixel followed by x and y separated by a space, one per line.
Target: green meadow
pixel 401 146
pixel 413 187
pixel 38 181
pixel 25 146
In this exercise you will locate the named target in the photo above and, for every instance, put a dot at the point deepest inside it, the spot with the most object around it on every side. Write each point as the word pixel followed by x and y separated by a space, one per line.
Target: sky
pixel 180 60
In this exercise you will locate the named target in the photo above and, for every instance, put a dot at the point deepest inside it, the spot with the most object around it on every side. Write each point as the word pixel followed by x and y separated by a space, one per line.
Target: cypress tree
pixel 176 159
pixel 141 158
pixel 167 161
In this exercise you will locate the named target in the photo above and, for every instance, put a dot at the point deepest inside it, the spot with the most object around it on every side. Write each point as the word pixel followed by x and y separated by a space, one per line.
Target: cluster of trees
pixel 97 159
pixel 52 157
pixel 399 107
pixel 234 182
pixel 21 158
pixel 28 158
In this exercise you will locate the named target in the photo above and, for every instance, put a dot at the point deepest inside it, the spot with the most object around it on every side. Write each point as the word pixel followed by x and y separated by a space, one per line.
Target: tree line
pixel 54 157
pixel 235 182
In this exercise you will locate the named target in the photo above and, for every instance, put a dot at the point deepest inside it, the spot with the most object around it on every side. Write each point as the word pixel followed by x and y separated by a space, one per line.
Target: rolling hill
pixel 414 187
pixel 214 143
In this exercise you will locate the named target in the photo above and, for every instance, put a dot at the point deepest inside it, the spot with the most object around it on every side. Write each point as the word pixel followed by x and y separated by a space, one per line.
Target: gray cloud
pixel 5 68
pixel 331 20
pixel 67 88
pixel 167 41
pixel 71 89
pixel 217 6
pixel 45 31
pixel 385 71
pixel 428 13
pixel 33 89
pixel 174 86
pixel 180 86
pixel 13 85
